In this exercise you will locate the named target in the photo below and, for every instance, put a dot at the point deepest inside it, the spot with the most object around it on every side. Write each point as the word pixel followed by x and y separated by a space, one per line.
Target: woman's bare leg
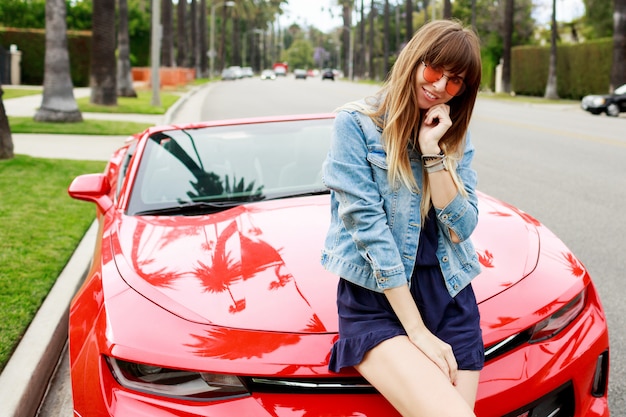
pixel 467 386
pixel 412 383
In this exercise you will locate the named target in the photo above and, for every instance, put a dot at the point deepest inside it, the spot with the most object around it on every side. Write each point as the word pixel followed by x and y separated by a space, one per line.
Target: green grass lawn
pixel 142 104
pixel 19 92
pixel 41 224
pixel 86 127
pixel 41 227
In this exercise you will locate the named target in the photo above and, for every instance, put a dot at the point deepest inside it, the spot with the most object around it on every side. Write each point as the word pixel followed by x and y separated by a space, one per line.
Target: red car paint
pixel 241 292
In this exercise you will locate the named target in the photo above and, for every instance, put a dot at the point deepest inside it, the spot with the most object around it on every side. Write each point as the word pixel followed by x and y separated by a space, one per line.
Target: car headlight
pixel 598 101
pixel 189 385
pixel 559 320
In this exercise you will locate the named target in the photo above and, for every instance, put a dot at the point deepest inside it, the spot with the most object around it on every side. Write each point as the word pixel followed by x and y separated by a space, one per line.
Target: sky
pixel 325 15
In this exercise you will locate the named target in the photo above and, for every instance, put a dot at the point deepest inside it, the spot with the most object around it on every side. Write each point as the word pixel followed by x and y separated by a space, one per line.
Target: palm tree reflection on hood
pixel 224 343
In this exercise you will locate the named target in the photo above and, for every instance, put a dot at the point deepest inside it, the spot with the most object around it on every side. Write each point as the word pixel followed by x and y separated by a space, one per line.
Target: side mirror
pixel 94 188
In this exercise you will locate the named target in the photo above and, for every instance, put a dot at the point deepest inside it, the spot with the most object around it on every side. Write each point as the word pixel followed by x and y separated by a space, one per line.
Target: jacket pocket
pixel 377 158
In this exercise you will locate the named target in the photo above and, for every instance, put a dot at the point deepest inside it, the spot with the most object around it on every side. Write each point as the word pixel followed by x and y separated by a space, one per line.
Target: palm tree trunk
pixel 371 68
pixel 447 9
pixel 551 86
pixel 509 8
pixel 618 73
pixel 58 102
pixel 409 20
pixel 167 39
pixel 386 41
pixel 6 140
pixel 124 74
pixel 195 37
pixel 103 64
pixel 182 44
pixel 347 38
pixel 202 28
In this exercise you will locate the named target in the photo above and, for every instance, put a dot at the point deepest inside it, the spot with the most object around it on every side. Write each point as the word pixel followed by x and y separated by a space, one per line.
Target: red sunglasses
pixel 454 85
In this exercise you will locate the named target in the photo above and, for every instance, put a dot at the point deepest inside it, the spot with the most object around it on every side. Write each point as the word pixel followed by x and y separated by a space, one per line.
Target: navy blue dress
pixel 367 319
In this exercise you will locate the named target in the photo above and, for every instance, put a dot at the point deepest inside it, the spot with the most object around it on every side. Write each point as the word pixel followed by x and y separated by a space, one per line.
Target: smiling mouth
pixel 429 95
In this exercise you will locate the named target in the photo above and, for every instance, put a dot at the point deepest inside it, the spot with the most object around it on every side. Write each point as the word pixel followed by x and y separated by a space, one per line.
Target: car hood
pixel 257 266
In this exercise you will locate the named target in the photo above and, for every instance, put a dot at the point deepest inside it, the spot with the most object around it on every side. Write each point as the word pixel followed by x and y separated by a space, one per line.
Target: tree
pixel 598 18
pixel 124 74
pixel 409 20
pixel 103 65
pixel 507 39
pixel 6 140
pixel 371 70
pixel 299 54
pixel 167 39
pixel 346 37
pixel 618 73
pixel 551 90
pixel 58 103
pixel 447 9
pixel 386 41
pixel 202 28
pixel 181 34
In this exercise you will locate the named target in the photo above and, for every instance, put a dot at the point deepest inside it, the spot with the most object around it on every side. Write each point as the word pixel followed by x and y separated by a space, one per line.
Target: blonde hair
pixel 442 43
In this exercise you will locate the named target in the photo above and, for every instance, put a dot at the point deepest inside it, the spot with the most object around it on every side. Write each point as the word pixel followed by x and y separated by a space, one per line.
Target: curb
pixel 24 380
pixel 175 108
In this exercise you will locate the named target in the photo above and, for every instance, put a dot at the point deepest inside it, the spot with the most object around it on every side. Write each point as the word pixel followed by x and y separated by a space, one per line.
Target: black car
pixel 611 104
pixel 328 74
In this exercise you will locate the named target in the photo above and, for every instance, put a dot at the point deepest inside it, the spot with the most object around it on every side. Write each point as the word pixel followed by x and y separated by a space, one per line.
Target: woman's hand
pixel 437 351
pixel 435 123
pixel 434 348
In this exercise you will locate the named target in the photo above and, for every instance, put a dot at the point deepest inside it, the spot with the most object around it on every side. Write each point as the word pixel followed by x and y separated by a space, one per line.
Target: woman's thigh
pixel 411 382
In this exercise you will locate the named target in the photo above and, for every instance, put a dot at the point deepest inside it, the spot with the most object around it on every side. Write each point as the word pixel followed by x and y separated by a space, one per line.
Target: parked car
pixel 247 72
pixel 611 104
pixel 268 75
pixel 229 74
pixel 237 71
pixel 328 74
pixel 300 74
pixel 206 295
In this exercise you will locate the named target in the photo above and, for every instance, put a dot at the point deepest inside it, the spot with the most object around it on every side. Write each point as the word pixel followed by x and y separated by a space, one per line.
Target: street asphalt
pixel 27 376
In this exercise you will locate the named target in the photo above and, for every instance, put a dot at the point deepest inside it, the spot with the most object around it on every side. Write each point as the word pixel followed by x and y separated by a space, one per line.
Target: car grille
pixel 558 403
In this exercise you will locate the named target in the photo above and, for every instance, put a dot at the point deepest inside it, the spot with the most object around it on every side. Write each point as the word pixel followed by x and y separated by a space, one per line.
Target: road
pixel 564 166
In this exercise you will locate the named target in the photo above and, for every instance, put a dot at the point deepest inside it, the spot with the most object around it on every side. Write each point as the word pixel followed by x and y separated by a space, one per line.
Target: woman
pixel 403 207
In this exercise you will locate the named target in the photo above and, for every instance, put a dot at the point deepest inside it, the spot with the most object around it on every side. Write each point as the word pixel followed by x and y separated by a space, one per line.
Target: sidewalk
pixel 27 376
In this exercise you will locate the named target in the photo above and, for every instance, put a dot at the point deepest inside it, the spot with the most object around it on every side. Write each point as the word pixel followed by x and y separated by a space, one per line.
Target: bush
pixel 32 43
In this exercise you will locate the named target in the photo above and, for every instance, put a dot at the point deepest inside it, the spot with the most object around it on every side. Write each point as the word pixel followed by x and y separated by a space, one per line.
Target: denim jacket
pixel 374 230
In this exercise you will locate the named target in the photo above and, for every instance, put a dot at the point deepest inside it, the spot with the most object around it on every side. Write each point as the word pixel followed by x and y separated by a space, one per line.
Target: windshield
pixel 621 90
pixel 229 165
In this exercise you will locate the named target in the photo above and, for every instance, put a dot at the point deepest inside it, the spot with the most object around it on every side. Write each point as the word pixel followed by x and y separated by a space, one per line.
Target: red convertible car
pixel 206 296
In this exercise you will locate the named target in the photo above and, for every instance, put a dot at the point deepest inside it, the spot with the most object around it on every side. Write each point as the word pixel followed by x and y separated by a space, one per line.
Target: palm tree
pixel 618 74
pixel 167 38
pixel 58 102
pixel 386 41
pixel 103 65
pixel 195 45
pixel 447 9
pixel 346 6
pixel 6 141
pixel 551 90
pixel 202 34
pixel 124 75
pixel 371 69
pixel 409 20
pixel 509 8
pixel 181 34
